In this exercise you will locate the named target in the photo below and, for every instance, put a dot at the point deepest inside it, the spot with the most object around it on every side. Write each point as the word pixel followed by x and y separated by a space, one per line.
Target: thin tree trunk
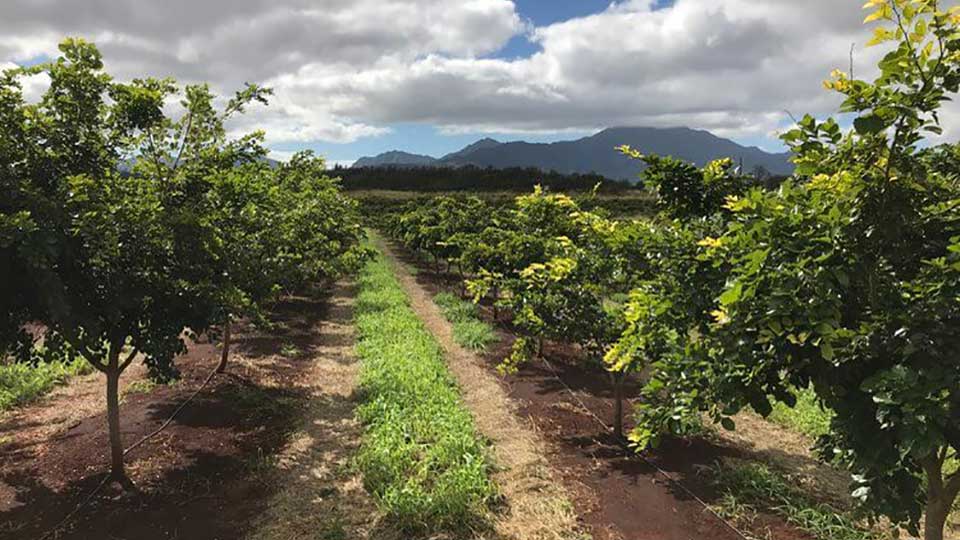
pixel 540 347
pixel 618 381
pixel 463 280
pixel 941 493
pixel 117 471
pixel 935 520
pixel 225 352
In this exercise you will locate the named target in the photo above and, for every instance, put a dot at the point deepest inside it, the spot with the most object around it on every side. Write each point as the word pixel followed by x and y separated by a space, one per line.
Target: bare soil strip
pixel 615 495
pixel 318 495
pixel 539 507
pixel 213 473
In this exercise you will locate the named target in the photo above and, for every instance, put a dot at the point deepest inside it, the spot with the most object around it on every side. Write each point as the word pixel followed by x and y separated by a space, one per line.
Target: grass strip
pixel 21 383
pixel 469 331
pixel 747 488
pixel 420 456
pixel 806 417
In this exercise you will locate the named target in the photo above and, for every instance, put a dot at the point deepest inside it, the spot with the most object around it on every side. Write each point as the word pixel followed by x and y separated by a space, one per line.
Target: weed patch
pixel 468 330
pixel 21 383
pixel 806 417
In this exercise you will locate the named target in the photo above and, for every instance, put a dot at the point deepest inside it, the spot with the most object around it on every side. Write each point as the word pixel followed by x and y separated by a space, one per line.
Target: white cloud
pixel 347 69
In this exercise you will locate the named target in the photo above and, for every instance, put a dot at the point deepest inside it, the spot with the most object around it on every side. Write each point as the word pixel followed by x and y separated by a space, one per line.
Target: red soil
pixel 197 479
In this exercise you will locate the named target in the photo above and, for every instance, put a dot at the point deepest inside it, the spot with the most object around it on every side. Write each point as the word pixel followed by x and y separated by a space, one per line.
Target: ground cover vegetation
pixel 839 288
pixel 421 455
pixel 125 230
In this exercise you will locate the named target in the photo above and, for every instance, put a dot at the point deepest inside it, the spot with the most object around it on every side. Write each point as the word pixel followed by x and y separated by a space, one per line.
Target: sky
pixel 360 77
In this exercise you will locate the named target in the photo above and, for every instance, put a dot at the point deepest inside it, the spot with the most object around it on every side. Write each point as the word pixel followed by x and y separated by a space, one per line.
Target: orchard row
pixel 844 279
pixel 123 230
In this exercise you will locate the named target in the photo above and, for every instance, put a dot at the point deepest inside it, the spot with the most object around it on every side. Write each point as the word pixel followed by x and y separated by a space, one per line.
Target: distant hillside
pixel 464 154
pixel 396 158
pixel 596 154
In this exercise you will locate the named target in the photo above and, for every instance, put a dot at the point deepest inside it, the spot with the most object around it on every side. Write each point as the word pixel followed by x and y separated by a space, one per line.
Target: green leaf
pixel 869 125
pixel 732 295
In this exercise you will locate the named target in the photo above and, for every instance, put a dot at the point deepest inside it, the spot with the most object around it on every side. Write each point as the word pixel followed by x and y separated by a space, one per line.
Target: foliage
pixel 472 179
pixel 545 260
pixel 844 280
pixel 21 383
pixel 120 227
pixel 421 455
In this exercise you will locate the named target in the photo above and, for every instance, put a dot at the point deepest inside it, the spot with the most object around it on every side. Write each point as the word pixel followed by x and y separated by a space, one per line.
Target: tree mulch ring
pixel 203 477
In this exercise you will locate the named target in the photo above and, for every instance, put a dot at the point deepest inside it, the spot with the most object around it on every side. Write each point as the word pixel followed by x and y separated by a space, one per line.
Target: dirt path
pixel 539 507
pixel 616 495
pixel 280 419
pixel 318 496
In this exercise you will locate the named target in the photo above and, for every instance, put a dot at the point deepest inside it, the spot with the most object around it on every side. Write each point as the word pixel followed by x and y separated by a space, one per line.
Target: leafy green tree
pixel 102 258
pixel 121 228
pixel 844 279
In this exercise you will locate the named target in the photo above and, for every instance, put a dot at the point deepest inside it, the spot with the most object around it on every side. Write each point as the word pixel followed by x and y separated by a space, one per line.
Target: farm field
pixel 551 410
pixel 210 332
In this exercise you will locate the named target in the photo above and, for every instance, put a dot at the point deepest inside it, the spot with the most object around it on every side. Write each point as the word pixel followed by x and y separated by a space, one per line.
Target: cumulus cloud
pixel 347 69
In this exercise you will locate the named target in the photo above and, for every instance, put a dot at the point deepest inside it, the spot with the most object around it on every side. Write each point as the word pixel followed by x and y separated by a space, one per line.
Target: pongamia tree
pixel 845 280
pixel 672 289
pixel 106 258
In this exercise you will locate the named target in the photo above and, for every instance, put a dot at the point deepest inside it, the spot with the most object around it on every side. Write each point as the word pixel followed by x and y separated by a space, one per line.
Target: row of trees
pixel 124 229
pixel 844 279
pixel 471 178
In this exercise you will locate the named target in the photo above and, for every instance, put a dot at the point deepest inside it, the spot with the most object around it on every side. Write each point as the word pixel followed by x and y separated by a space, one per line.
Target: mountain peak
pixel 396 158
pixel 597 154
pixel 482 144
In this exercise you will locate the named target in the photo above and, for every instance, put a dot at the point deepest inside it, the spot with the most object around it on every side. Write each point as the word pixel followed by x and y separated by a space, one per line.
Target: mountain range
pixel 596 153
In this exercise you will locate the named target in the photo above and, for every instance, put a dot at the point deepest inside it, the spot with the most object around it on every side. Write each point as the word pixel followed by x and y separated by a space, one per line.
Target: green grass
pixel 420 455
pixel 469 331
pixel 747 488
pixel 806 416
pixel 22 383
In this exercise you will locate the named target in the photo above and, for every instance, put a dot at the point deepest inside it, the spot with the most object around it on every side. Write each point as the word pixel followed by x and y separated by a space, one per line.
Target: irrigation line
pixel 646 460
pixel 131 448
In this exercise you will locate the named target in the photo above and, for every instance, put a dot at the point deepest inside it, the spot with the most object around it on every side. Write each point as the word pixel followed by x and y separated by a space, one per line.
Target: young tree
pixel 103 268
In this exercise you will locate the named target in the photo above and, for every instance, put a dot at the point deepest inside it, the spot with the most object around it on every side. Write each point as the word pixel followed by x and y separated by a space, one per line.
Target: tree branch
pixel 953 484
pixel 96 364
pixel 933 468
pixel 128 359
pixel 183 142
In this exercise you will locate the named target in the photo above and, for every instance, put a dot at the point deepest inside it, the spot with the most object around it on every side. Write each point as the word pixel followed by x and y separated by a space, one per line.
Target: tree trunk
pixel 941 492
pixel 540 347
pixel 618 405
pixel 935 518
pixel 117 471
pixel 463 280
pixel 496 297
pixel 225 352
